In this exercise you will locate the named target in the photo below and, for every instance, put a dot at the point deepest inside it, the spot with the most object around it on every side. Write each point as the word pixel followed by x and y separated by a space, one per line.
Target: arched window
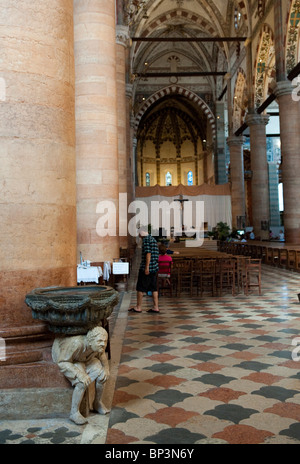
pixel 190 178
pixel 237 19
pixel 168 178
pixel 147 179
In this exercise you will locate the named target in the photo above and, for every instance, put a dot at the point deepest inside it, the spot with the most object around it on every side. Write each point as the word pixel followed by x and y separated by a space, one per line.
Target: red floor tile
pixel 222 394
pixel 243 434
pixel 171 416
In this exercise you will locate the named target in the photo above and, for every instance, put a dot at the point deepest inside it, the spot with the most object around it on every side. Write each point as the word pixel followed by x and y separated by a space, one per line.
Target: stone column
pixel 221 161
pixel 158 172
pixel 131 169
pixel 274 195
pixel 122 42
pixel 260 178
pixel 178 162
pixel 237 178
pixel 135 159
pixel 131 160
pixel 289 113
pixel 96 129
pixel 120 11
pixel 38 188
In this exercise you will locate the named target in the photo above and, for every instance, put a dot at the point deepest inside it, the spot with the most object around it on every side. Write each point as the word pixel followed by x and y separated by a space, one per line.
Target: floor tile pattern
pixel 212 370
pixel 40 432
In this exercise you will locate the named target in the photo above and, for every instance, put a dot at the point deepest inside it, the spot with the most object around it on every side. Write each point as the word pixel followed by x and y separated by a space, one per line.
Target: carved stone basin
pixel 72 310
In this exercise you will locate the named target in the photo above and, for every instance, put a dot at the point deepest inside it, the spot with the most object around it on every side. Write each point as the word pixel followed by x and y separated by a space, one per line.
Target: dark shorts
pixel 146 283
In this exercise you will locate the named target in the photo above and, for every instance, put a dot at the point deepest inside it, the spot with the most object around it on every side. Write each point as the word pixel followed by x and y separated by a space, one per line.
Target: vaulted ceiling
pixel 184 49
pixel 178 41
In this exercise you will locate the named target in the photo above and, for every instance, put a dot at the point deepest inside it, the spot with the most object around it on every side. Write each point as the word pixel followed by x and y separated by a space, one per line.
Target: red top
pixel 164 264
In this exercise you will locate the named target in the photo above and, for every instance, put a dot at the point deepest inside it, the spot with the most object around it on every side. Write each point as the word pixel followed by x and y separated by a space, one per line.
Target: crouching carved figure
pixel 83 361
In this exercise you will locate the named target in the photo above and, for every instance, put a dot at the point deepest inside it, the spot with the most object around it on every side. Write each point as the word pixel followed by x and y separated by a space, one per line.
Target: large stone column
pixel 260 178
pixel 122 43
pixel 131 160
pixel 96 128
pixel 131 164
pixel 237 178
pixel 289 112
pixel 38 189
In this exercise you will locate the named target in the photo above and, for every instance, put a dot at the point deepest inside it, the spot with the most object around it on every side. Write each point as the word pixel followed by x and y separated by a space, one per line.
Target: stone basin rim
pixel 72 310
pixel 75 290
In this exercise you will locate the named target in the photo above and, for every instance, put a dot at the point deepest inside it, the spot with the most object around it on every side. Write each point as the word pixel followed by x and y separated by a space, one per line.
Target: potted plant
pixel 220 232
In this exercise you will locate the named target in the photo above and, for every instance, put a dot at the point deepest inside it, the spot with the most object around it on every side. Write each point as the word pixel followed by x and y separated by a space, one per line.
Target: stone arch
pixel 264 56
pixel 293 36
pixel 177 90
pixel 240 99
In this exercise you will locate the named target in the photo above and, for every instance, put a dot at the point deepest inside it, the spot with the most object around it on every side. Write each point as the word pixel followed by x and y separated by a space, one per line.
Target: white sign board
pixel 120 268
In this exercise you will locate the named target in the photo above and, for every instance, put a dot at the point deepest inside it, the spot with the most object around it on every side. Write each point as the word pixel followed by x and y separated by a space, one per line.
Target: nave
pixel 205 370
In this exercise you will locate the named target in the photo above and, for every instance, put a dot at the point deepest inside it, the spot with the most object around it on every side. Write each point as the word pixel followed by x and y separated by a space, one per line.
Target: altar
pixel 215 200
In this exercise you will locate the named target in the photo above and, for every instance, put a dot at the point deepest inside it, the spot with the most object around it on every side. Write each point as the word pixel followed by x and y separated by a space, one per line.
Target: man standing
pixel 147 277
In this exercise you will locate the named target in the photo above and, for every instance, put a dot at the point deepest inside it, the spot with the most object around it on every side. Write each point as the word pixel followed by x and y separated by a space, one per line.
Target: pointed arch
pixel 177 90
pixel 240 99
pixel 264 63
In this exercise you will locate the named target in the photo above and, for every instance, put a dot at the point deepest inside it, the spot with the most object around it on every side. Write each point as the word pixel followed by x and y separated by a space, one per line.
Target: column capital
pixel 235 141
pixel 122 35
pixel 254 119
pixel 283 88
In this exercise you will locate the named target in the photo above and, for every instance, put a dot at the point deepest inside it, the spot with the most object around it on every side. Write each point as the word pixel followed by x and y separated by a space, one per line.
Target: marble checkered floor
pixel 212 370
pixel 204 370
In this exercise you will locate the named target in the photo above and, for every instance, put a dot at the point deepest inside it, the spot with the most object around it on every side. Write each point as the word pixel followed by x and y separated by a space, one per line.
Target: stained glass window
pixel 190 178
pixel 237 18
pixel 168 178
pixel 147 179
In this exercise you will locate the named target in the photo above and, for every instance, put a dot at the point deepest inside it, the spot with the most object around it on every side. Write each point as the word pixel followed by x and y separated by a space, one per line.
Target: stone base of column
pixel 43 374
pixel 25 344
pixel 35 403
pixel 26 360
pixel 292 236
pixel 31 384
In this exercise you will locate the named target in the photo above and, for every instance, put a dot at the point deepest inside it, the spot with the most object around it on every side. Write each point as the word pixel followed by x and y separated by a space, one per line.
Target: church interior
pixel 108 109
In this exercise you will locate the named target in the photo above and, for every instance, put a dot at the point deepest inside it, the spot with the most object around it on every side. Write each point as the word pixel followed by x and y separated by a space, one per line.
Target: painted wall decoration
pixel 292 46
pixel 264 65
